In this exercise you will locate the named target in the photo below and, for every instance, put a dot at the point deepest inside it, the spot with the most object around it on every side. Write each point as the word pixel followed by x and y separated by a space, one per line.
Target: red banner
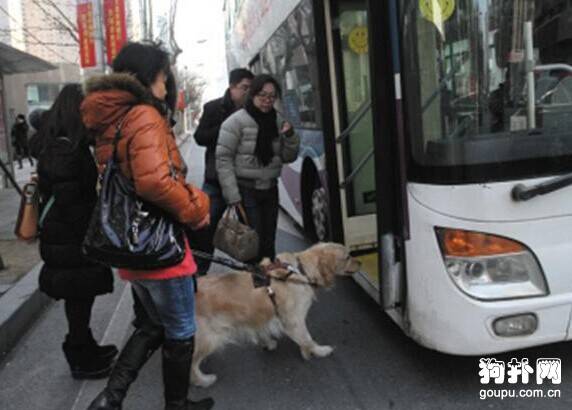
pixel 181 101
pixel 115 27
pixel 86 34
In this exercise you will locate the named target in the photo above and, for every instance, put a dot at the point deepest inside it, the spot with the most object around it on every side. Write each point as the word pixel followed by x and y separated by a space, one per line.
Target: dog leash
pixel 229 263
pixel 260 277
pixel 260 274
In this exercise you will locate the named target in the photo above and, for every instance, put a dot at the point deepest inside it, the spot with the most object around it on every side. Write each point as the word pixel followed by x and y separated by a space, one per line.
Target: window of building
pixel 42 95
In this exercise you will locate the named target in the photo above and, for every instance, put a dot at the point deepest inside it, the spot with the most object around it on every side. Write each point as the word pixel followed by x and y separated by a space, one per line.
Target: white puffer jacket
pixel 236 162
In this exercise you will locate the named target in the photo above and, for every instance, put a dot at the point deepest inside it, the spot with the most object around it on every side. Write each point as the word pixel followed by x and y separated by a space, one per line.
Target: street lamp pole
pixel 101 35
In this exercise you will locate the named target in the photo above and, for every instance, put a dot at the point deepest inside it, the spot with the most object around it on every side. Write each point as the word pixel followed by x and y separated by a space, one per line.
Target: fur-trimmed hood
pixel 109 97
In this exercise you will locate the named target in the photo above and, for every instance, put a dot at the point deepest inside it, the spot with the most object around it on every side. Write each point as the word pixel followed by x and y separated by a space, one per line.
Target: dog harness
pixel 262 276
pixel 266 278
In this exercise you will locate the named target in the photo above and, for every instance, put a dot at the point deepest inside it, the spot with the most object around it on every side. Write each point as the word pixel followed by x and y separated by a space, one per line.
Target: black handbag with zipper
pixel 127 232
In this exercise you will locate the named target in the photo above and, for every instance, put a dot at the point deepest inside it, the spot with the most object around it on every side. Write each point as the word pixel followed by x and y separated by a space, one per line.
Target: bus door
pixel 347 36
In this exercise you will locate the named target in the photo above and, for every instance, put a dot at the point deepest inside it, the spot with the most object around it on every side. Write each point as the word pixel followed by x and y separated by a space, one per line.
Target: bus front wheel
pixel 320 213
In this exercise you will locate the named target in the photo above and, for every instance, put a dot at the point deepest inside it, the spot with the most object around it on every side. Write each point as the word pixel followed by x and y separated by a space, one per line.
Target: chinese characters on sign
pixel 517 371
pixel 85 24
pixel 115 27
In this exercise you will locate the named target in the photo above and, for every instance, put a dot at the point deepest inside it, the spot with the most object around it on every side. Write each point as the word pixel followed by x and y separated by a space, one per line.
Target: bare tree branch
pixel 58 24
pixel 193 86
pixel 48 43
pixel 62 14
pixel 176 50
pixel 35 28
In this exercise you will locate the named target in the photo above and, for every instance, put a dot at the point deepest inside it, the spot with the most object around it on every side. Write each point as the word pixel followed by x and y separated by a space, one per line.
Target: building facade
pixel 49 30
pixel 11 31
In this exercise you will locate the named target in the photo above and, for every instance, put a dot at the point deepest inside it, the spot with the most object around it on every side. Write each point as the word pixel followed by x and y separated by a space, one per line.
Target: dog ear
pixel 327 266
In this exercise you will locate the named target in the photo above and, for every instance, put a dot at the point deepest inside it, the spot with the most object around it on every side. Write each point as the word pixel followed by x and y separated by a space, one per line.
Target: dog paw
pixel 322 351
pixel 270 345
pixel 306 353
pixel 205 380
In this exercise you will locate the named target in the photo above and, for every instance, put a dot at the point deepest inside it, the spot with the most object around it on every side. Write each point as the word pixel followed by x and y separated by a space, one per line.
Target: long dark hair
pixel 145 61
pixel 64 117
pixel 172 94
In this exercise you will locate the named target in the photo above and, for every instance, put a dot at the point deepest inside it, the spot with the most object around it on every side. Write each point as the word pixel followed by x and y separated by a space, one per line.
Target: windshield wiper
pixel 523 193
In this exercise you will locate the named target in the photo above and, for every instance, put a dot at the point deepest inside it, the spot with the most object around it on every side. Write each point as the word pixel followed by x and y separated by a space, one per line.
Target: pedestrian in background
pixel 136 96
pixel 67 182
pixel 215 112
pixel 253 145
pixel 20 140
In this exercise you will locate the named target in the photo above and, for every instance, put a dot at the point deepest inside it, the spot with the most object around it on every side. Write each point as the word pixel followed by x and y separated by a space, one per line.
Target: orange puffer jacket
pixel 146 148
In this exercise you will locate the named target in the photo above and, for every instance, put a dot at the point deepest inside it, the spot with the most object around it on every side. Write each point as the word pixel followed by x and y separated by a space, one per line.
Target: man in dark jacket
pixel 214 114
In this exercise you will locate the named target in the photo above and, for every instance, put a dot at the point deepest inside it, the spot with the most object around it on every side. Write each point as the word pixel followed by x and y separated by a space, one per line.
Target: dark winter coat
pixel 69 174
pixel 20 135
pixel 214 114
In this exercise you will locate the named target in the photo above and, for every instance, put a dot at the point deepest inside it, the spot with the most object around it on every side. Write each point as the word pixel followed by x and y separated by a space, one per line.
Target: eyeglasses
pixel 264 95
pixel 244 88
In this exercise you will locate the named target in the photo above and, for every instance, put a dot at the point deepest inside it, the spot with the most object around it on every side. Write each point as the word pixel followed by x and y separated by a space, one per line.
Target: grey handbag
pixel 234 238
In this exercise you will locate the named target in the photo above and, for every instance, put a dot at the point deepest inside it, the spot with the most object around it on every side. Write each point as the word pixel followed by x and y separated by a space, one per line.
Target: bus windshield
pixel 487 88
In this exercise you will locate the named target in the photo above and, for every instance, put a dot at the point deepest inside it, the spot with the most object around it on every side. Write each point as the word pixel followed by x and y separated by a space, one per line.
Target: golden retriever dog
pixel 229 309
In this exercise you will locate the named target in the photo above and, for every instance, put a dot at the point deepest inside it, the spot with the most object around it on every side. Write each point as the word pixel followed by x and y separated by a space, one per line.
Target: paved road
pixel 374 365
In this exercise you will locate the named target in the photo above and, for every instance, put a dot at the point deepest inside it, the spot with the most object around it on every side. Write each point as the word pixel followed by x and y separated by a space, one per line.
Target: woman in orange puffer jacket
pixel 135 96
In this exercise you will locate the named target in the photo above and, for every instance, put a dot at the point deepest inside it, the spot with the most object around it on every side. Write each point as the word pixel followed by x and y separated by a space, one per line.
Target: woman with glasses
pixel 253 145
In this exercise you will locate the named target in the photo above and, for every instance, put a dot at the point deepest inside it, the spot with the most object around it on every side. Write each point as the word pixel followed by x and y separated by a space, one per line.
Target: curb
pixel 19 309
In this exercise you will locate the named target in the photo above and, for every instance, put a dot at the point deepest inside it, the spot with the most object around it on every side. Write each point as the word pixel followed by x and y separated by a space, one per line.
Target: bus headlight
pixel 489 267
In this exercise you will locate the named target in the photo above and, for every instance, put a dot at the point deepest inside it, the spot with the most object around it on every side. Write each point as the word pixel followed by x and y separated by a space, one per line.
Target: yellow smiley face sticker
pixel 358 40
pixel 437 11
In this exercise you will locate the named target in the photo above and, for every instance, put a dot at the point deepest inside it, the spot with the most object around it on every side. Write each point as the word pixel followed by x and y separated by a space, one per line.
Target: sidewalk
pixel 20 300
pixel 19 257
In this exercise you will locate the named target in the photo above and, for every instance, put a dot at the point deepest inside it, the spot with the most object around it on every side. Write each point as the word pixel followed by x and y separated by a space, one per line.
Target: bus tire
pixel 315 205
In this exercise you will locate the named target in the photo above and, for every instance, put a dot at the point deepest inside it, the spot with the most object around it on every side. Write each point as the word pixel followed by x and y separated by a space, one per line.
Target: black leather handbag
pixel 126 232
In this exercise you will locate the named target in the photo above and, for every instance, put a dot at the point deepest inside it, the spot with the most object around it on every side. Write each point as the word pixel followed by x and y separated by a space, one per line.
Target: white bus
pixel 437 145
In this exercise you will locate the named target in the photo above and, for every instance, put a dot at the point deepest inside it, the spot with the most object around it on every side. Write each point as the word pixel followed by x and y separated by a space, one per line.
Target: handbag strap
pixel 117 136
pixel 240 210
pixel 243 214
pixel 46 210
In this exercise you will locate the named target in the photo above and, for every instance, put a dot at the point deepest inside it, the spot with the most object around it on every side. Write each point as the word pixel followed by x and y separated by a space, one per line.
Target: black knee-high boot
pixel 177 361
pixel 137 351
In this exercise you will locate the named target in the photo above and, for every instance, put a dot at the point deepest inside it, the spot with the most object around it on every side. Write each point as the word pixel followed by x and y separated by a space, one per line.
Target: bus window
pixel 255 65
pixel 471 114
pixel 290 55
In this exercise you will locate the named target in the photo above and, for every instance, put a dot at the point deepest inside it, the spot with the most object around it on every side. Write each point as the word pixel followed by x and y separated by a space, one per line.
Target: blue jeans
pixel 202 240
pixel 169 303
